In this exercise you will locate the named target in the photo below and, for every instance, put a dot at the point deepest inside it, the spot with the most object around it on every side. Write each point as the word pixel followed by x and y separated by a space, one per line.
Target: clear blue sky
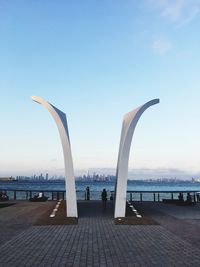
pixel 97 60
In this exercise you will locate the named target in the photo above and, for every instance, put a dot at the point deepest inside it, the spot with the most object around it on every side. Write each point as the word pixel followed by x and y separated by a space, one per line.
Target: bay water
pixel 97 187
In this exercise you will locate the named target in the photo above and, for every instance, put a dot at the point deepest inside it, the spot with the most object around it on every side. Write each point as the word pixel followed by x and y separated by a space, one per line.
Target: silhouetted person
pixel 189 198
pixel 87 193
pixel 111 196
pixel 194 198
pixel 104 198
pixel 180 197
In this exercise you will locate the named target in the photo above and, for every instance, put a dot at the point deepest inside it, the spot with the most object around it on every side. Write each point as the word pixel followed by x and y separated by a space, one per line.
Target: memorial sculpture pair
pixel 129 123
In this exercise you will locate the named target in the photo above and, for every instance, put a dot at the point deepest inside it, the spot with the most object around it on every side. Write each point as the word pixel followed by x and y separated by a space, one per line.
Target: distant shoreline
pixel 160 181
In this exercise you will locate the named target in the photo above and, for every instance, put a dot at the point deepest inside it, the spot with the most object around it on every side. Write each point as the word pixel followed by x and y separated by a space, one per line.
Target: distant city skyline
pixel 138 174
pixel 97 61
pixel 134 175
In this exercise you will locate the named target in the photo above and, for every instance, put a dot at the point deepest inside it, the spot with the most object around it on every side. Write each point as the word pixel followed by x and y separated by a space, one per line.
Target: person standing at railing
pixel 189 198
pixel 104 198
pixel 111 196
pixel 87 193
pixel 180 197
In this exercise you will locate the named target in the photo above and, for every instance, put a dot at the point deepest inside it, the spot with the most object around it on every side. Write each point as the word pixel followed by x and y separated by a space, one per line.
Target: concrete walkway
pixel 96 241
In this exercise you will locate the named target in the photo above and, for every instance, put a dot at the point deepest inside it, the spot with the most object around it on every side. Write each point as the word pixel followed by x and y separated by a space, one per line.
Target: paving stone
pixel 97 241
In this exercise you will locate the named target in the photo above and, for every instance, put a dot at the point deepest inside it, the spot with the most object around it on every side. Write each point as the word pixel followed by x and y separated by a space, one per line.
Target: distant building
pixel 7 179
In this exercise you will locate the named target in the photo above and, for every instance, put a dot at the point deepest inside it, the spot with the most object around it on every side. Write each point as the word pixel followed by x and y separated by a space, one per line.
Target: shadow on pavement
pixel 94 208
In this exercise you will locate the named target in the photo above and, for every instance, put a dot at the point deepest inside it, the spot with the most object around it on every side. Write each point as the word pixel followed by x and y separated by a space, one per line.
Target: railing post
pixel 154 197
pixel 14 195
pixel 51 195
pixel 131 197
pixel 158 197
pixel 172 196
pixel 141 197
pixel 26 195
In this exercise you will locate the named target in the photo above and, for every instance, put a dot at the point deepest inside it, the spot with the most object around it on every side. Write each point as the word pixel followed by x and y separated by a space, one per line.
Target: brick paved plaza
pixel 97 241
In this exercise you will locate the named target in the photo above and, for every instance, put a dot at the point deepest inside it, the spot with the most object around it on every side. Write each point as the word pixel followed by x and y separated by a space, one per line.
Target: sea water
pixel 97 187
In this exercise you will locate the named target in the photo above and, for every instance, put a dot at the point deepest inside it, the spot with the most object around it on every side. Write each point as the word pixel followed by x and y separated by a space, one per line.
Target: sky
pixel 97 60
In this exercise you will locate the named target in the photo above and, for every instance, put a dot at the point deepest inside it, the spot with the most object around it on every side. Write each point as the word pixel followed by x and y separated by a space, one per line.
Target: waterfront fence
pixel 155 196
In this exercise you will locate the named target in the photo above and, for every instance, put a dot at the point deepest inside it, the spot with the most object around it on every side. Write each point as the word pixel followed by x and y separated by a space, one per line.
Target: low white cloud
pixel 161 46
pixel 179 11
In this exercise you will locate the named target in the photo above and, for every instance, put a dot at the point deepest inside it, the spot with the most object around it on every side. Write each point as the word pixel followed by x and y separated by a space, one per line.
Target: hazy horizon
pixel 133 174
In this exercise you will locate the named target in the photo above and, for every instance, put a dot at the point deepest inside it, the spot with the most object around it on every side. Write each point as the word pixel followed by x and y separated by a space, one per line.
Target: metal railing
pixel 156 196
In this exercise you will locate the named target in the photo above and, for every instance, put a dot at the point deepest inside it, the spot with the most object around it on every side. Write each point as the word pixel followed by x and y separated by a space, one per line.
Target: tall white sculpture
pixel 61 122
pixel 129 123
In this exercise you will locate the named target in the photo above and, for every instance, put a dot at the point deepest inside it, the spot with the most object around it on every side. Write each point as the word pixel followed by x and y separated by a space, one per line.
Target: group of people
pixel 39 197
pixel 188 199
pixel 3 196
pixel 104 196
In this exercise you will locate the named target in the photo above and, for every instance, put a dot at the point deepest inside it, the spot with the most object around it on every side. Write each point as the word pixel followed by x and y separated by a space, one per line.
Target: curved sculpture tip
pixel 157 100
pixel 153 101
pixel 150 103
pixel 37 99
